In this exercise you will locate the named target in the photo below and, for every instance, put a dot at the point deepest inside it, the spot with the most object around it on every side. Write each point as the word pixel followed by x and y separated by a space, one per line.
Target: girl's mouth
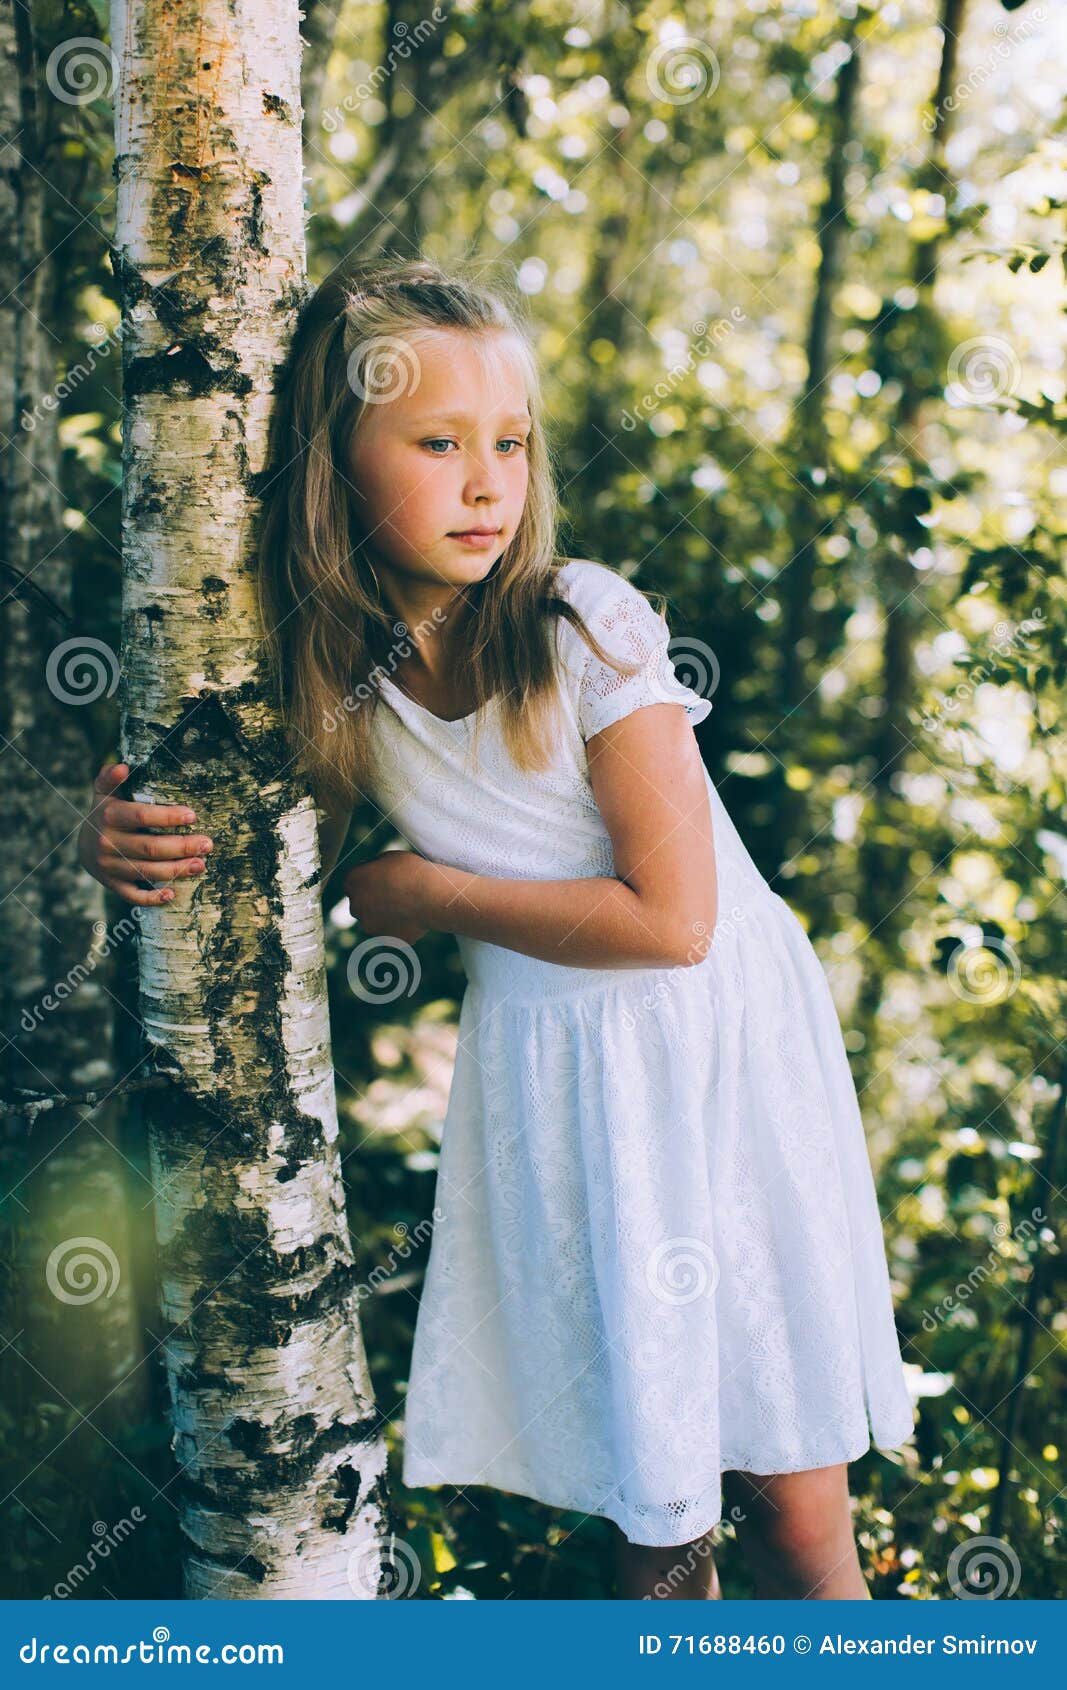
pixel 477 536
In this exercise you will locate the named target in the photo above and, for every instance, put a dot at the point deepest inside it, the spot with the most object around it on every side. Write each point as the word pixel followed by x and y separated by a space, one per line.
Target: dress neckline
pixel 444 721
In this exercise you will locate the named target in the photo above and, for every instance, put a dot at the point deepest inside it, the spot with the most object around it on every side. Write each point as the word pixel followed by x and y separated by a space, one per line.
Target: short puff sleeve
pixel 627 626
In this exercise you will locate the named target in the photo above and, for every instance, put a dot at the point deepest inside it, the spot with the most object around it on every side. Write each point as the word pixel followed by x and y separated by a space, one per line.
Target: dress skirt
pixel 657 1250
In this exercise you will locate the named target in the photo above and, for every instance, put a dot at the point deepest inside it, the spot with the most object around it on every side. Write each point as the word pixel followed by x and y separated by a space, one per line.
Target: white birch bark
pixel 280 1446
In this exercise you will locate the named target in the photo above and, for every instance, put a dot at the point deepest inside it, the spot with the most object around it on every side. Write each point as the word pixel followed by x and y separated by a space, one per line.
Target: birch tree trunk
pixel 73 1329
pixel 280 1447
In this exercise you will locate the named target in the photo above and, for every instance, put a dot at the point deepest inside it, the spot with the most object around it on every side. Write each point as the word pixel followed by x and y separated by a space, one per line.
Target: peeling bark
pixel 281 1450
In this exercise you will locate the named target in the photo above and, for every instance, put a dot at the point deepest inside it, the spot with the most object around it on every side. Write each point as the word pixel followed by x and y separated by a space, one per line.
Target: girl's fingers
pixel 116 863
pixel 125 814
pixel 151 847
pixel 131 894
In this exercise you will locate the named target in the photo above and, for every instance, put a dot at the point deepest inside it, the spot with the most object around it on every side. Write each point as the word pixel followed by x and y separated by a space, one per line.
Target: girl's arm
pixel 649 783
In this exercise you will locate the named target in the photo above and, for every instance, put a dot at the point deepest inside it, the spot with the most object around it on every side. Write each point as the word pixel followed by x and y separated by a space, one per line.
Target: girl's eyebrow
pixel 465 416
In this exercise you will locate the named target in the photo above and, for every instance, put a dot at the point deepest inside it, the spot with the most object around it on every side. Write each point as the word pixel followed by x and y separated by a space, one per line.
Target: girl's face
pixel 445 456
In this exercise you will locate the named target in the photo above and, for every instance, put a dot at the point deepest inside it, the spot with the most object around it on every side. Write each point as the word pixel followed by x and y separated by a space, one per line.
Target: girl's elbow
pixel 691 941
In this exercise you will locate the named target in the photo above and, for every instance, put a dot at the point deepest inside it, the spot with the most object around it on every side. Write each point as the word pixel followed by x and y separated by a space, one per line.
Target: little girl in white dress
pixel 657 1255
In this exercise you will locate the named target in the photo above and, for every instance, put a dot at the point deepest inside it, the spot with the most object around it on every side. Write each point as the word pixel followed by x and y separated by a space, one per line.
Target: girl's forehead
pixel 449 374
pixel 451 356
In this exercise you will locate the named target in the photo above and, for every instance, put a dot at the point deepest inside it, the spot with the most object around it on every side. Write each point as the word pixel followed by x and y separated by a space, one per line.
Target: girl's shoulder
pixel 628 628
pixel 601 595
pixel 593 587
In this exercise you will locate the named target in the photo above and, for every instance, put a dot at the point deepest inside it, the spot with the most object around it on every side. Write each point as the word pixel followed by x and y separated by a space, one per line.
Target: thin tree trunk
pixel 74 1329
pixel 799 577
pixel 318 33
pixel 903 605
pixel 280 1447
pixel 883 865
pixel 811 452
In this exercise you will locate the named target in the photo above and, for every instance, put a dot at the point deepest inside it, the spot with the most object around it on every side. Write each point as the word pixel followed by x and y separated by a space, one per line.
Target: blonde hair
pixel 326 626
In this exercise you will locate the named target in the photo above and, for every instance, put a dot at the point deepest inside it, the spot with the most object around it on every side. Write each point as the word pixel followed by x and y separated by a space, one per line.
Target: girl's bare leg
pixel 679 1572
pixel 795 1530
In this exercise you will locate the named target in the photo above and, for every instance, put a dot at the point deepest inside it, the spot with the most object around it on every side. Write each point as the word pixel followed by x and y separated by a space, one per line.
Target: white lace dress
pixel 658 1253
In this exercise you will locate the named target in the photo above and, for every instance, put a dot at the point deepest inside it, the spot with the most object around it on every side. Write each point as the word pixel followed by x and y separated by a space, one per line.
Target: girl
pixel 658 1278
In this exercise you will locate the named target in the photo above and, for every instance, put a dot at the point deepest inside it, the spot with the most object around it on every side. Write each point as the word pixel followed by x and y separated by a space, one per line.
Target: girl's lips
pixel 473 538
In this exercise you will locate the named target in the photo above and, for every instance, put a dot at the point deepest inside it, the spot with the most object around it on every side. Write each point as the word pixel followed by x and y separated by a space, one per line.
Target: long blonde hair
pixel 326 627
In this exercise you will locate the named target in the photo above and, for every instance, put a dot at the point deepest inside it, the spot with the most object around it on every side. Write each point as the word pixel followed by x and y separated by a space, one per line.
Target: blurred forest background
pixel 797 271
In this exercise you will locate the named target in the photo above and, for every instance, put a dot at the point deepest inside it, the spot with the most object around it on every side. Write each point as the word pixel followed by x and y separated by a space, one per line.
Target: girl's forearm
pixel 584 923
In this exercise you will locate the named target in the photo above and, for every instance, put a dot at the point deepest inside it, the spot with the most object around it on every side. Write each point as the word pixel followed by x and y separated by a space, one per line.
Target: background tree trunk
pixel 281 1450
pixel 811 449
pixel 70 1317
pixel 883 864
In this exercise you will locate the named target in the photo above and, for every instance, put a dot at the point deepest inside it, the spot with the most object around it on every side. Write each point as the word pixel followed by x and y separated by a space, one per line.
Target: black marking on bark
pixel 240 448
pixel 191 368
pixel 245 1564
pixel 215 592
pixel 147 501
pixel 238 1316
pixel 254 221
pixel 265 1472
pixel 275 104
pixel 198 1381
pixel 338 1509
pixel 253 1438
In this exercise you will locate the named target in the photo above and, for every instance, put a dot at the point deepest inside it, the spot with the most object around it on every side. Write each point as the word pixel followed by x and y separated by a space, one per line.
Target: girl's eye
pixel 442 441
